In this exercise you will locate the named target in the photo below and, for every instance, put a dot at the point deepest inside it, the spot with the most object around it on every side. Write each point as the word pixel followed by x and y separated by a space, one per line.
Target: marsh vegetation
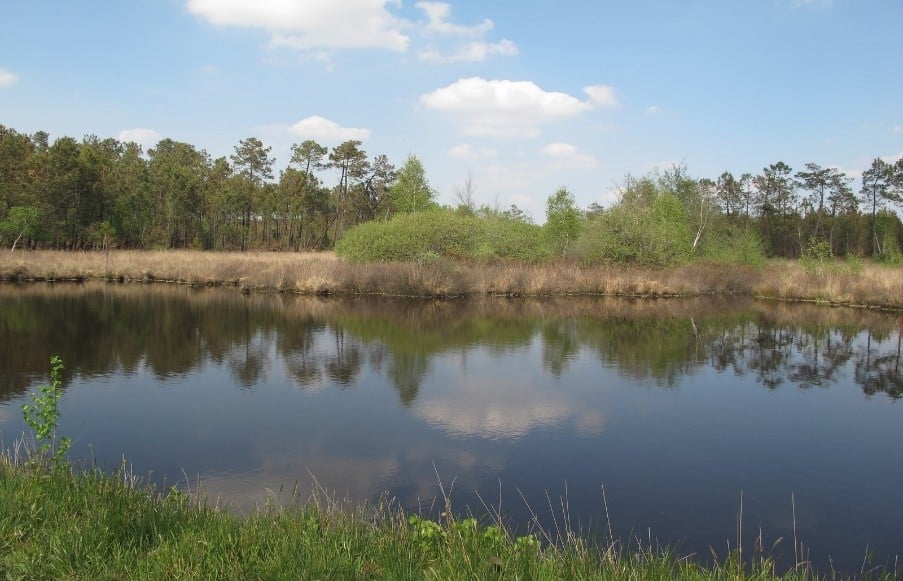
pixel 849 282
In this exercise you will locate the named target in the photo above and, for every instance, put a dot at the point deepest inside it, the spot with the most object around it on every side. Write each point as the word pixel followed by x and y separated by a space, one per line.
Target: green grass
pixel 55 524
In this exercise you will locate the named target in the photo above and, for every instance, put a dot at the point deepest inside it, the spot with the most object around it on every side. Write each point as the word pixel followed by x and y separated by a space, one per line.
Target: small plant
pixel 527 544
pixel 819 250
pixel 493 535
pixel 43 416
pixel 854 264
pixel 466 528
pixel 427 534
pixel 817 256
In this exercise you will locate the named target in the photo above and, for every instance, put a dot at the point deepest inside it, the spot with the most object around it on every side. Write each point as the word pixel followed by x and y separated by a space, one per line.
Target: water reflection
pixel 675 406
pixel 102 330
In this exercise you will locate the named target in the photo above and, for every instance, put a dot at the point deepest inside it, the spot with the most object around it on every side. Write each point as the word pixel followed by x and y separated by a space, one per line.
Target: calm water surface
pixel 675 407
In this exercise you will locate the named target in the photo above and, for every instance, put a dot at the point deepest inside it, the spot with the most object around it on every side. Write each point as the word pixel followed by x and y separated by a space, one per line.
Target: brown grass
pixel 323 273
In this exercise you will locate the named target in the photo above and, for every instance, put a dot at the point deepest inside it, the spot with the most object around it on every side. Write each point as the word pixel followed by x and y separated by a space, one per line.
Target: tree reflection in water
pixel 170 331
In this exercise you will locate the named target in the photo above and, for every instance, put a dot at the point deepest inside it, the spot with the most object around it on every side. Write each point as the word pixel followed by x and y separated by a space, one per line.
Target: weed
pixel 43 417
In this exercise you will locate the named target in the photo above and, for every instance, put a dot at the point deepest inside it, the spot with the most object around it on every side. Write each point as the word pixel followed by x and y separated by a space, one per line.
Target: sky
pixel 522 98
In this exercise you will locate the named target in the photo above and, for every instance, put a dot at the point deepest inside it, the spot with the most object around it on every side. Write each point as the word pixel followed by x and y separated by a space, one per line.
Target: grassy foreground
pixel 57 524
pixel 854 283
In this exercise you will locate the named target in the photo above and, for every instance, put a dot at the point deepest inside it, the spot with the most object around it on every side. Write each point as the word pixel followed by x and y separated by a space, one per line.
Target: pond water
pixel 527 408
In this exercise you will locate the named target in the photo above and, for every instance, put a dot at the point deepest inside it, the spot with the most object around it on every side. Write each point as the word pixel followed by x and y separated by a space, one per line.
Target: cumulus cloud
pixel 476 51
pixel 565 155
pixel 439 25
pixel 610 197
pixel 654 110
pixel 313 25
pixel 501 108
pixel 146 138
pixel 603 96
pixel 504 409
pixel 309 24
pixel 437 14
pixel 7 78
pixel 465 151
pixel 322 129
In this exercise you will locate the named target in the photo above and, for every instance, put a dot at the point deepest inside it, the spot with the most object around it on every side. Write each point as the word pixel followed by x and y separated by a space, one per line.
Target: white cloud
pixel 7 78
pixel 565 155
pixel 500 108
pixel 603 96
pixel 438 24
pixel 609 198
pixel 437 14
pixel 653 110
pixel 895 128
pixel 322 129
pixel 502 408
pixel 310 24
pixel 559 149
pixel 476 51
pixel 146 138
pixel 465 151
pixel 462 151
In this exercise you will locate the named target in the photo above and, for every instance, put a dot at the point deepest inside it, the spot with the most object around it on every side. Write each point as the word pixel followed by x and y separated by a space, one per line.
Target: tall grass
pixel 851 282
pixel 86 525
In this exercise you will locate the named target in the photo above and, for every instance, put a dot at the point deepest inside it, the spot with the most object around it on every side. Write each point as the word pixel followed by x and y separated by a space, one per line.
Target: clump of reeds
pixel 833 283
pixel 433 275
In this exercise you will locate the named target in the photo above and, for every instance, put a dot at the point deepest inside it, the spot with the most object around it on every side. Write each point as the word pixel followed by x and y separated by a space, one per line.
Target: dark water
pixel 675 407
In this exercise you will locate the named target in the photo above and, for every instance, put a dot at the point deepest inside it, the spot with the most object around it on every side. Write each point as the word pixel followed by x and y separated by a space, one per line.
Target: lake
pixel 542 411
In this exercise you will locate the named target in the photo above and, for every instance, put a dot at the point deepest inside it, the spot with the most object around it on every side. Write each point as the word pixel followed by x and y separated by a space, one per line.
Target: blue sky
pixel 524 97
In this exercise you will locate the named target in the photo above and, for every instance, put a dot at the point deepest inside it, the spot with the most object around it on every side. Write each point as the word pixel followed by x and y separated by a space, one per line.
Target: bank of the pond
pixel 56 524
pixel 851 283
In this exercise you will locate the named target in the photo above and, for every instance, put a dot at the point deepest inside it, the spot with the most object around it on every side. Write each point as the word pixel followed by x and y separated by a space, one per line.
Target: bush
pixel 648 234
pixel 733 244
pixel 507 238
pixel 409 236
pixel 445 233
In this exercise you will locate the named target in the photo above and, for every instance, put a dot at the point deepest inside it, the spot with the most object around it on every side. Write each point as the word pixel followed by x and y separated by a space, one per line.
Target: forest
pixel 102 193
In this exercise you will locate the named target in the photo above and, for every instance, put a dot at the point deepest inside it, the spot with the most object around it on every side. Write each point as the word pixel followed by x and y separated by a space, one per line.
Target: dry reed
pixel 323 273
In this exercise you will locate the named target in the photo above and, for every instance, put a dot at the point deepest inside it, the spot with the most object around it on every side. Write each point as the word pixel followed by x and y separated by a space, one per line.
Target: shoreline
pixel 829 283
pixel 94 524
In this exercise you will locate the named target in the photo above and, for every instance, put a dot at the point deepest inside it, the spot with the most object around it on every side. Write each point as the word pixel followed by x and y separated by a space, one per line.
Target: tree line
pixel 103 193
pixel 811 212
pixel 100 193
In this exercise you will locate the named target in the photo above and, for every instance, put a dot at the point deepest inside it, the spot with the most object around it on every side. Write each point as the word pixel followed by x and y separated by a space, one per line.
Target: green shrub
pixel 506 238
pixel 733 244
pixel 654 234
pixel 819 250
pixel 442 233
pixel 889 251
pixel 409 236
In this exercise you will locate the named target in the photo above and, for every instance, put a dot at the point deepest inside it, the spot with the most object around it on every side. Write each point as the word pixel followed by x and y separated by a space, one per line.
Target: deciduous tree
pixel 562 220
pixel 411 191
